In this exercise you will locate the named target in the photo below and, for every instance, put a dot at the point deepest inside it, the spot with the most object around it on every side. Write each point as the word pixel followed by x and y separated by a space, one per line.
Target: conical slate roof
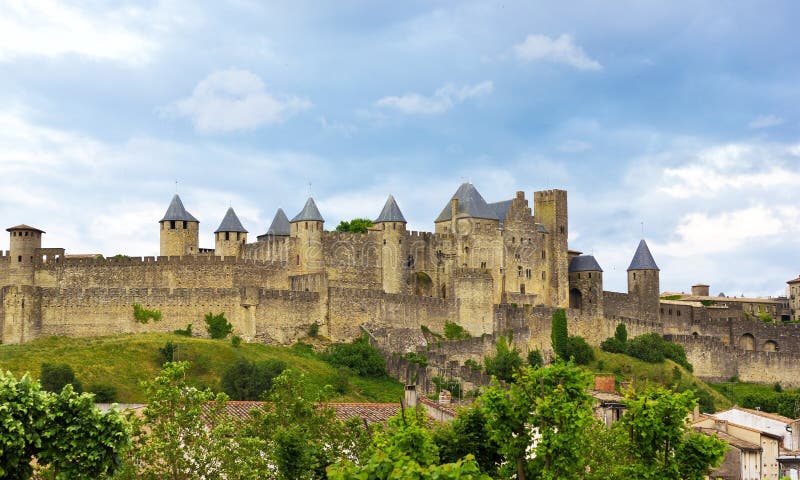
pixel 391 212
pixel 643 259
pixel 309 213
pixel 230 223
pixel 470 202
pixel 176 211
pixel 280 224
pixel 584 263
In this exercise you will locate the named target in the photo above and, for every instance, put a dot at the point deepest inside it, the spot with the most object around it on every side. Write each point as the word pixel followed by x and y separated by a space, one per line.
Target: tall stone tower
pixel 24 241
pixel 585 284
pixel 394 263
pixel 306 229
pixel 643 282
pixel 180 231
pixel 550 210
pixel 230 237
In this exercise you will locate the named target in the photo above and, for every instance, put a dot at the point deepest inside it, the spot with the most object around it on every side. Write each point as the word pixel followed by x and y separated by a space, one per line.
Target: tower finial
pixel 642 229
pixel 309 189
pixel 176 186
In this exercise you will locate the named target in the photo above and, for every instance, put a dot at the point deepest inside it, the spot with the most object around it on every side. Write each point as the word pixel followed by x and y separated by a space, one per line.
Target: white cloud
pixel 557 50
pixel 765 121
pixel 49 28
pixel 441 101
pixel 234 99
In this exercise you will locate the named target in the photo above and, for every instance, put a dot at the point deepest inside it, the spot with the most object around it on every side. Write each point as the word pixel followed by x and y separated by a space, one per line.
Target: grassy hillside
pixel 123 361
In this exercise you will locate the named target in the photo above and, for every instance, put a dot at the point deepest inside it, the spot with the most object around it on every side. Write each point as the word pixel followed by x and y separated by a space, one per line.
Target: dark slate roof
pixel 643 259
pixel 391 212
pixel 309 213
pixel 500 208
pixel 24 227
pixel 176 211
pixel 470 202
pixel 584 263
pixel 230 223
pixel 280 224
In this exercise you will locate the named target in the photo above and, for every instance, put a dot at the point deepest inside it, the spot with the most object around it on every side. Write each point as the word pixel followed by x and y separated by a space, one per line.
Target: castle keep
pixel 489 267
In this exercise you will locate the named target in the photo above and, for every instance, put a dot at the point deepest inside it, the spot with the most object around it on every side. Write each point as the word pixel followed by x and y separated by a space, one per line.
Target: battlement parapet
pixel 360 294
pixel 414 234
pixel 629 321
pixel 160 260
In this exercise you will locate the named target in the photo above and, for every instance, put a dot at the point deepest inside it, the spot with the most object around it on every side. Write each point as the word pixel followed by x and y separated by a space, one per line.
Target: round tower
pixel 179 231
pixel 585 284
pixel 643 283
pixel 230 237
pixel 24 241
pixel 306 229
pixel 394 260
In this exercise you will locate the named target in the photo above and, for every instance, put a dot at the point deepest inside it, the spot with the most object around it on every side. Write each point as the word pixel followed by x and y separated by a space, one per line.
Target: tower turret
pixel 585 284
pixel 643 282
pixel 230 237
pixel 24 241
pixel 394 261
pixel 179 230
pixel 306 229
pixel 550 210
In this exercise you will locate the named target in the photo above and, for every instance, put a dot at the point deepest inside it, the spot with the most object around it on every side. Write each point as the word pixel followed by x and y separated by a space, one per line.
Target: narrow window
pixel 172 224
pixel 237 235
pixel 19 259
pixel 185 225
pixel 542 254
pixel 519 271
pixel 227 235
pixel 679 313
pixel 384 241
pixel 298 259
pixel 483 264
pixel 634 275
pixel 590 274
pixel 579 276
pixel 544 275
pixel 306 224
pixel 394 226
pixel 521 288
pixel 561 229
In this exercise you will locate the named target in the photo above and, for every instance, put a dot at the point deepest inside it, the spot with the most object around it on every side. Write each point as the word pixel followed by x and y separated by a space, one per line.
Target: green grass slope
pixel 124 361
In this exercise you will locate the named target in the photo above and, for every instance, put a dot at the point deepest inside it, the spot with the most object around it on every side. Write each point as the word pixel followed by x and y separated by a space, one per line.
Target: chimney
pixel 411 396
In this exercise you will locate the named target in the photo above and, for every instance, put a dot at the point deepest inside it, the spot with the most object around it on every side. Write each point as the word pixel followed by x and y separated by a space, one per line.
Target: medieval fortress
pixel 492 268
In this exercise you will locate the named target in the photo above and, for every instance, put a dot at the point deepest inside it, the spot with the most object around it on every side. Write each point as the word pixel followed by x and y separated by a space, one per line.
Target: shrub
pixel 217 325
pixel 341 381
pixel 558 333
pixel 579 351
pixel 143 315
pixel 236 341
pixel 313 330
pixel 185 332
pixel 417 358
pixel 247 380
pixel 454 331
pixel 535 359
pixel 652 348
pixel 472 364
pixel 613 345
pixel 505 362
pixel 358 355
pixel 103 393
pixel 54 376
pixel 451 385
pixel 168 352
pixel 621 333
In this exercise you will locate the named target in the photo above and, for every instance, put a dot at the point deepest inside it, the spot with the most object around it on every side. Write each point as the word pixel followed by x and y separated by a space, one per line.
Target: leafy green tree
pixel 652 348
pixel 468 434
pixel 579 351
pixel 55 376
pixel 621 333
pixel 658 441
pixel 66 435
pixel 103 392
pixel 406 450
pixel 535 359
pixel 218 326
pixel 613 345
pixel 358 355
pixel 505 362
pixel 247 380
pixel 558 334
pixel 540 422
pixel 356 225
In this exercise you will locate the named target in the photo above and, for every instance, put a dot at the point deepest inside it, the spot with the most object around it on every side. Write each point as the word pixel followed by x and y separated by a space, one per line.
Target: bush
pixel 236 341
pixel 417 358
pixel 358 355
pixel 246 380
pixel 313 330
pixel 505 362
pixel 54 376
pixel 341 381
pixel 558 334
pixel 167 352
pixel 217 325
pixel 186 332
pixel 652 348
pixel 535 359
pixel 579 351
pixel 103 393
pixel 613 345
pixel 621 333
pixel 454 331
pixel 143 315
pixel 472 364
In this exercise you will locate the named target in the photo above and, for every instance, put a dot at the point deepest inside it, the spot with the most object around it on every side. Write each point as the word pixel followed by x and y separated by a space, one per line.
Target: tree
pixel 218 326
pixel 55 376
pixel 356 225
pixel 505 362
pixel 406 450
pixel 535 359
pixel 358 355
pixel 658 441
pixel 540 421
pixel 247 380
pixel 66 435
pixel 558 333
pixel 652 348
pixel 468 434
pixel 579 351
pixel 621 333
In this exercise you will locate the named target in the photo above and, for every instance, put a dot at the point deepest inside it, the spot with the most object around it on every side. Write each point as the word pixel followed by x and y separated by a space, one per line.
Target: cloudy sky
pixel 675 119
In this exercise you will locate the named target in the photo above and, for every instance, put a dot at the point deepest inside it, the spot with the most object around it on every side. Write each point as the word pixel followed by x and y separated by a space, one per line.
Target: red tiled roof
pixel 796 280
pixel 730 439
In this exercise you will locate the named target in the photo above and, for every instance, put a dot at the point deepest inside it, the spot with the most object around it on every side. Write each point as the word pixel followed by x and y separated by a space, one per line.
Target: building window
pixel 679 313
pixel 483 264
pixel 227 235
pixel 384 241
pixel 544 275
pixel 185 225
pixel 528 273
pixel 521 288
pixel 519 271
pixel 590 274
pixel 172 224
pixel 19 258
pixel 543 254
pixel 561 229
pixel 410 261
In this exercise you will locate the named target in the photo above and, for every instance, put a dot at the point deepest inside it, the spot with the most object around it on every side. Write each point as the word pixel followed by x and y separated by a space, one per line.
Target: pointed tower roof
pixel 470 202
pixel 230 223
pixel 643 259
pixel 584 263
pixel 280 224
pixel 309 213
pixel 391 212
pixel 176 211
